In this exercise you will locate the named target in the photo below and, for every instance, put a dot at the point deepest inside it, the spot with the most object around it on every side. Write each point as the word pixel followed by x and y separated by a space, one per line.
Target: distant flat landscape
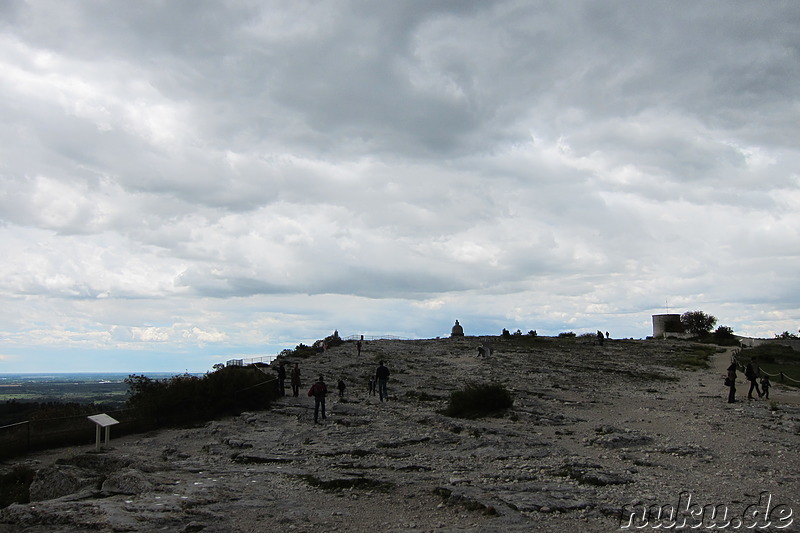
pixel 82 387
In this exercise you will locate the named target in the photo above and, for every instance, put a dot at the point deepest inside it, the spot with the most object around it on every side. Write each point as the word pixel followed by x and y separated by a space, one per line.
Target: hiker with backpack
pixel 751 373
pixel 318 390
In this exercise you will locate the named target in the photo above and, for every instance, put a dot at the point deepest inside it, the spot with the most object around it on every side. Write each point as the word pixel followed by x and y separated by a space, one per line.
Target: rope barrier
pixel 256 385
pixel 739 365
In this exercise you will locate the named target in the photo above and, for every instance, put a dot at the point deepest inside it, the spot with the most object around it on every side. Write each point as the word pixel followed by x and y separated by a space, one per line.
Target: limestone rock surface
pixel 594 433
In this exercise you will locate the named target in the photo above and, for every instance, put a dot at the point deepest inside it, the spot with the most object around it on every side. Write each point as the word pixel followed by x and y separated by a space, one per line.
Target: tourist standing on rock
pixel 765 385
pixel 281 379
pixel 730 381
pixel 318 390
pixel 751 373
pixel 358 347
pixel 341 386
pixel 296 381
pixel 382 377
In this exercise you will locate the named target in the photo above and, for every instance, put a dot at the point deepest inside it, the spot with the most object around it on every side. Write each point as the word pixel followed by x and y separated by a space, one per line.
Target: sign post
pixel 102 421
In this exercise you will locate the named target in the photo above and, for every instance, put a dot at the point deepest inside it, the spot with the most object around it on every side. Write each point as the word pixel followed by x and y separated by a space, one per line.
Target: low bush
pixel 479 400
pixel 186 398
pixel 771 353
pixel 301 350
pixel 696 357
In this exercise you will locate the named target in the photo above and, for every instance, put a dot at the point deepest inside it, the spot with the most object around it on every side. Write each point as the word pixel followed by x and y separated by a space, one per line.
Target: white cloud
pixel 235 176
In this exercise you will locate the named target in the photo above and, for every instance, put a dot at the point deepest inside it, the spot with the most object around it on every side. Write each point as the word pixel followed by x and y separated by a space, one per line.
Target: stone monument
pixel 457 330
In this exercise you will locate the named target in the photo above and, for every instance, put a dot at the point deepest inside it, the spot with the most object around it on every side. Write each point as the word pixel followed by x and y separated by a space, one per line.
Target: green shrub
pixel 566 334
pixel 478 400
pixel 187 398
pixel 698 323
pixel 301 350
pixel 49 410
pixel 725 337
pixel 772 353
pixel 694 358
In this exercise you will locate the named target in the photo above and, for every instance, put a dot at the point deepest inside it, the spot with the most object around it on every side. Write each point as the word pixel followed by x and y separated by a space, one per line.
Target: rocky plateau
pixel 599 438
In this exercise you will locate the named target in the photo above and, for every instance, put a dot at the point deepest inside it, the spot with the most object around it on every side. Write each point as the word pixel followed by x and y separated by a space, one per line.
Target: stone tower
pixel 664 325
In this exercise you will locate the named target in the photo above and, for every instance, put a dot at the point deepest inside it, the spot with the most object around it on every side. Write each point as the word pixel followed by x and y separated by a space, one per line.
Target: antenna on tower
pixel 666 302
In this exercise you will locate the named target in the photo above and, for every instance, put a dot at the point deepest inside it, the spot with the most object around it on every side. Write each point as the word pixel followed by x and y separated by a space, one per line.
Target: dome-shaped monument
pixel 457 330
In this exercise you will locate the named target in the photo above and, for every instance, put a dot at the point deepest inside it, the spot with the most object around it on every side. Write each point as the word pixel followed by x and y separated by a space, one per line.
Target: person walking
pixel 318 390
pixel 358 347
pixel 730 381
pixel 765 385
pixel 751 373
pixel 382 377
pixel 341 386
pixel 295 380
pixel 281 379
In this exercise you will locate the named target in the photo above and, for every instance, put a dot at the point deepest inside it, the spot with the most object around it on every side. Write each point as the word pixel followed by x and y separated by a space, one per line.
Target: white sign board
pixel 103 420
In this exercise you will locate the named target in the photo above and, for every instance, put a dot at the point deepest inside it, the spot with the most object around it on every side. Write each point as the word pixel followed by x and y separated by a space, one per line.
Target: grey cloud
pixel 527 162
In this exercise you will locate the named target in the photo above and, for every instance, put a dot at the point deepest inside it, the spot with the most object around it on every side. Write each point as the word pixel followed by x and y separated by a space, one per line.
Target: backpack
pixel 317 389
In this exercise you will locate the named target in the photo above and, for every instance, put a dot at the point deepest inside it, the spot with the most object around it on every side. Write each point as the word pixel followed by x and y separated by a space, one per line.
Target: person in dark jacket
pixel 765 385
pixel 730 381
pixel 382 377
pixel 318 390
pixel 751 373
pixel 281 379
pixel 296 381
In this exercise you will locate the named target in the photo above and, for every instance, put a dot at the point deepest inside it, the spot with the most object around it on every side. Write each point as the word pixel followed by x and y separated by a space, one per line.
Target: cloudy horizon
pixel 188 181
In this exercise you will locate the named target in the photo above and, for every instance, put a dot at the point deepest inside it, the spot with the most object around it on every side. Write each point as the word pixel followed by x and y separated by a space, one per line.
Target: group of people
pixel 294 380
pixel 752 374
pixel 319 390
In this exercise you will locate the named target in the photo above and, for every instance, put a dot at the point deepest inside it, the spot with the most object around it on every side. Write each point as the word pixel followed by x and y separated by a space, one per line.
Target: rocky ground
pixel 595 433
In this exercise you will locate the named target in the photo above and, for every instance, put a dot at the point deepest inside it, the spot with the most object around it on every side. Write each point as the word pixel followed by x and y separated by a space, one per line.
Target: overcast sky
pixel 185 181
